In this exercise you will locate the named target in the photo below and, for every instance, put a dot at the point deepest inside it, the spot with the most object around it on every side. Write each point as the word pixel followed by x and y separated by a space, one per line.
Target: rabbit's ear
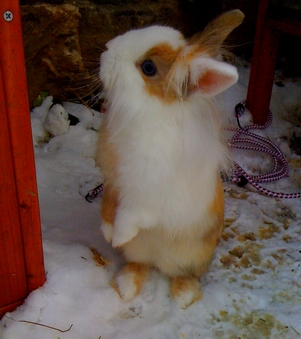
pixel 193 68
pixel 211 77
pixel 216 32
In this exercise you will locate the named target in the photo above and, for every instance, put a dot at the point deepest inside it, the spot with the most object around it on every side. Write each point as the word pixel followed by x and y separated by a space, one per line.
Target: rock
pixel 52 50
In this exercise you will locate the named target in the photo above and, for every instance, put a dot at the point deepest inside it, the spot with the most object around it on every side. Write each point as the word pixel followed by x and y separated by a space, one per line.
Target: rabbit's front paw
pixel 125 229
pixel 107 230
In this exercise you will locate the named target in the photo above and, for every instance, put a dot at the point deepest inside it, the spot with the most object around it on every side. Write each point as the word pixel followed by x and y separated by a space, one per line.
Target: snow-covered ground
pixel 253 287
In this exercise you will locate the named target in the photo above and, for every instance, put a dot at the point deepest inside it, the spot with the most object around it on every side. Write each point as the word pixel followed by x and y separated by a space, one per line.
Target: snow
pixel 252 289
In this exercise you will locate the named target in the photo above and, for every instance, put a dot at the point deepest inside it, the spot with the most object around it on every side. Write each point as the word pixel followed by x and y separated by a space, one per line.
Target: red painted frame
pixel 21 254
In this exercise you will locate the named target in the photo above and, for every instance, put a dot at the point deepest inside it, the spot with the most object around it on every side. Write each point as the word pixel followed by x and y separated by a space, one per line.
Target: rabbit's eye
pixel 148 68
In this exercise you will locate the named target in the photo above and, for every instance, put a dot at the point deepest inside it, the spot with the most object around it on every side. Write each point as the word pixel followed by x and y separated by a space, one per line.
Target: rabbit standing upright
pixel 161 153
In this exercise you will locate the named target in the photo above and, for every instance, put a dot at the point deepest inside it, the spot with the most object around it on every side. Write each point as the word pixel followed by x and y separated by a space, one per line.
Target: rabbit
pixel 161 153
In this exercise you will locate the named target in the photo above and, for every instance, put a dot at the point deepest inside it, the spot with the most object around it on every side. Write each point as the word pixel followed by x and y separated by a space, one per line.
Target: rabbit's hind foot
pixel 129 281
pixel 185 290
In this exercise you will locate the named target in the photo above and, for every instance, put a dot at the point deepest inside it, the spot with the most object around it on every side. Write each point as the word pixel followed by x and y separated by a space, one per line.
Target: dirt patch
pixel 252 325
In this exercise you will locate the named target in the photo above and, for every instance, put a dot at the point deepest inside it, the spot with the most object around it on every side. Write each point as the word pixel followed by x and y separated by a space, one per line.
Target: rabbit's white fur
pixel 163 185
pixel 168 157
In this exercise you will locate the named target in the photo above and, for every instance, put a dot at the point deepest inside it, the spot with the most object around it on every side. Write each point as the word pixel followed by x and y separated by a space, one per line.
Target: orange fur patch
pixel 217 205
pixel 106 155
pixel 106 159
pixel 207 251
pixel 109 204
pixel 210 240
pixel 212 237
pixel 164 52
pixel 163 56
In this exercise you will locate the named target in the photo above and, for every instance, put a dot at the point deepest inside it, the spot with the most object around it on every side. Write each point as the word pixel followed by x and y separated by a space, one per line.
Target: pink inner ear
pixel 212 82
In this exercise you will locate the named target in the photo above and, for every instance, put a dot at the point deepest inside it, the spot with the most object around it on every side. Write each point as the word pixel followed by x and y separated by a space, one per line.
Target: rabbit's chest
pixel 159 164
pixel 159 153
pixel 162 151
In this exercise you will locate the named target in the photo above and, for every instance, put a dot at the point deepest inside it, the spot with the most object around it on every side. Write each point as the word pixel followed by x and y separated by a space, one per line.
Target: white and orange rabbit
pixel 161 153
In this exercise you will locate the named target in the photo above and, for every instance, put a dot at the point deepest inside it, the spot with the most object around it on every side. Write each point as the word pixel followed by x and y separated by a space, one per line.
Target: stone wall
pixel 63 39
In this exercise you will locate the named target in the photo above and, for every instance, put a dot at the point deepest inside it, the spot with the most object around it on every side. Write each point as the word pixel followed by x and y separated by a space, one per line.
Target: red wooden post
pixel 21 255
pixel 268 30
pixel 262 66
pixel 262 76
pixel 261 17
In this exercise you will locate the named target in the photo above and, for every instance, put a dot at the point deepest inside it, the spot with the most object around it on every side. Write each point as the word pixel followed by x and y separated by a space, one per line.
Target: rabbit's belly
pixel 181 251
pixel 176 202
pixel 174 255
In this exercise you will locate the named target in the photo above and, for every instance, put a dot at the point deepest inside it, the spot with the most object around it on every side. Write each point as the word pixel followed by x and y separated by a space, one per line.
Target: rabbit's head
pixel 156 65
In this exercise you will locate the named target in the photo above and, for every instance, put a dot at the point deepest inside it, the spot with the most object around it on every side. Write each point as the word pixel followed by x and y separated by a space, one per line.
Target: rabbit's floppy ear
pixel 195 68
pixel 214 34
pixel 210 76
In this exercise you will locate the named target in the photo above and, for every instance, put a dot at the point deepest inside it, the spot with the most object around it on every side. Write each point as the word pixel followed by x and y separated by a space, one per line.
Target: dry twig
pixel 39 324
